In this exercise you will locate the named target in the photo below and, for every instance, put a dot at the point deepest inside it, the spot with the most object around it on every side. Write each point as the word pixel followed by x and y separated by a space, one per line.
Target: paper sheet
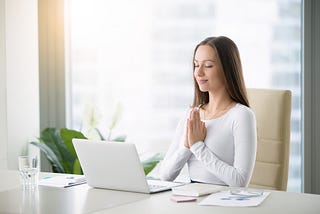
pixel 196 189
pixel 62 180
pixel 227 199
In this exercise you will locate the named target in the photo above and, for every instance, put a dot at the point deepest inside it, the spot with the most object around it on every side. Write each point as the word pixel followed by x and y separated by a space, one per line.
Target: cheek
pixel 218 74
pixel 217 77
pixel 221 77
pixel 214 74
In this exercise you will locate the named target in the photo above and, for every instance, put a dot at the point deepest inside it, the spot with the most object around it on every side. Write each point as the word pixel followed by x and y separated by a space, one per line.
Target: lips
pixel 200 82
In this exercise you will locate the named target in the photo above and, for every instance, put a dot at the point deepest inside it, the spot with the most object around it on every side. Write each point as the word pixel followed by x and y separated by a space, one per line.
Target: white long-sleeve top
pixel 227 155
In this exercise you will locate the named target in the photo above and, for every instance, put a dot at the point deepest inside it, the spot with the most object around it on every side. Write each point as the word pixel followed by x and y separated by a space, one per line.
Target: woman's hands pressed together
pixel 195 130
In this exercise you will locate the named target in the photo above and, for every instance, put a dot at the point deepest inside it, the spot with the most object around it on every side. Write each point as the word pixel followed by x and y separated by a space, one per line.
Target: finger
pixel 197 115
pixel 186 142
pixel 192 123
pixel 203 125
pixel 190 127
pixel 190 132
pixel 204 128
pixel 187 126
pixel 190 114
pixel 196 119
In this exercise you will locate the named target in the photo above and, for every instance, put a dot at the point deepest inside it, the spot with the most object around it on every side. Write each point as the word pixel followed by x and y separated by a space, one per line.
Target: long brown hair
pixel 232 71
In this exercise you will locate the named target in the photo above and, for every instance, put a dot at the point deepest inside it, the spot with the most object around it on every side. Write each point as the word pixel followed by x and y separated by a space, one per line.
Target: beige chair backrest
pixel 273 114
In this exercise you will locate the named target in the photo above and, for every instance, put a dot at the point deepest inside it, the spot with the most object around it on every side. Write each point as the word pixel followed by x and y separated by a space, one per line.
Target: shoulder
pixel 242 112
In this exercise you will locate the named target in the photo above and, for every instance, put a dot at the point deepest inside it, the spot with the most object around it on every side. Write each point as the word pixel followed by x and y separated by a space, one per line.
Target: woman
pixel 217 138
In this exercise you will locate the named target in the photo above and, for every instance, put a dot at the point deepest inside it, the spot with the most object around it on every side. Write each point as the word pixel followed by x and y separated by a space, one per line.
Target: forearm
pixel 237 175
pixel 173 163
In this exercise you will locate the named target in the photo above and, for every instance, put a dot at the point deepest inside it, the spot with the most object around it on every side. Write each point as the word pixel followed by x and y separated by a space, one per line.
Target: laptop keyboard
pixel 154 187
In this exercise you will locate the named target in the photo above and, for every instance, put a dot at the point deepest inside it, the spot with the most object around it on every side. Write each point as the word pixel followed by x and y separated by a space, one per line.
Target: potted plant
pixel 57 146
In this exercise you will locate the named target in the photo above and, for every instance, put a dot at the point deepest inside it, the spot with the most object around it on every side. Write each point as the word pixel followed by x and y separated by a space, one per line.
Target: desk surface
pixel 83 199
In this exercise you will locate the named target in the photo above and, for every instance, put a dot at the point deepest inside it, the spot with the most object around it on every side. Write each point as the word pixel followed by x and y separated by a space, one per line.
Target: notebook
pixel 196 189
pixel 115 166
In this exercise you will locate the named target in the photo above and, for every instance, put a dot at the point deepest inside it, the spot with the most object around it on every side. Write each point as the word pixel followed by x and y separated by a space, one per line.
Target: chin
pixel 203 89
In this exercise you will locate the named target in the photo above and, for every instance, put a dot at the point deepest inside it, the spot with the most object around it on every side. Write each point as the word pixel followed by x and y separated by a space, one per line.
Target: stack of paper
pixel 195 189
pixel 63 180
pixel 229 199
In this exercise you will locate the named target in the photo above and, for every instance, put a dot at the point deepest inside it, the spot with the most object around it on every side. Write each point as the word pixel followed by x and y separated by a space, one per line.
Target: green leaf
pixel 67 135
pixel 56 165
pixel 77 167
pixel 52 138
pixel 121 138
pixel 151 162
pixel 101 136
pixel 67 159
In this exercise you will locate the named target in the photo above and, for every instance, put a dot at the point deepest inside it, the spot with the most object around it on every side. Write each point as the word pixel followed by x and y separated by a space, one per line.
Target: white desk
pixel 83 199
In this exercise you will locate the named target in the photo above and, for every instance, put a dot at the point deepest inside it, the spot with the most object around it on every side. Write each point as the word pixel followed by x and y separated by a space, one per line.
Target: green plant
pixel 57 146
pixel 151 162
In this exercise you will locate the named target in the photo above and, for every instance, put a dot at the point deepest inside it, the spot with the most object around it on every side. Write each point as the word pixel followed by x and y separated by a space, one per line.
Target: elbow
pixel 165 177
pixel 239 180
pixel 238 184
pixel 164 174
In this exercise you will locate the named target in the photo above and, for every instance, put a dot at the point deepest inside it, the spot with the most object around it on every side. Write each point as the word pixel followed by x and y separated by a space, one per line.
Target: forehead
pixel 205 52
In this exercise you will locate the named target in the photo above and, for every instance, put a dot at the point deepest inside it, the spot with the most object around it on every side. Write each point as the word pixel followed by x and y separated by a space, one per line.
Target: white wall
pixel 19 90
pixel 3 102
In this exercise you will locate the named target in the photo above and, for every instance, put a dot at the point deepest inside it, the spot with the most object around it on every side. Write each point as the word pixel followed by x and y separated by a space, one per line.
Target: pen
pixel 75 180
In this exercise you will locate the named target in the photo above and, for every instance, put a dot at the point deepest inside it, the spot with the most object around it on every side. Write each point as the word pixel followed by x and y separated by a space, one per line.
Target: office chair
pixel 273 113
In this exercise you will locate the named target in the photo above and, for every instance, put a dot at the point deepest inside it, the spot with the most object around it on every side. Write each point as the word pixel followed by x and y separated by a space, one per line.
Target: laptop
pixel 115 166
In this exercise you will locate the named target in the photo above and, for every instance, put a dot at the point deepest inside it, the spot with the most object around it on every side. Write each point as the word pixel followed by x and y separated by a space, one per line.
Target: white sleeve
pixel 245 141
pixel 177 155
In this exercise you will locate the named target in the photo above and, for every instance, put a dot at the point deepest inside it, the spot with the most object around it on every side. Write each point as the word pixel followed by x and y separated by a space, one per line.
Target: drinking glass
pixel 29 173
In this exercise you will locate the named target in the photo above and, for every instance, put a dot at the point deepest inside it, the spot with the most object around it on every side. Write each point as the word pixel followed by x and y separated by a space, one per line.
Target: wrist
pixel 194 142
pixel 196 145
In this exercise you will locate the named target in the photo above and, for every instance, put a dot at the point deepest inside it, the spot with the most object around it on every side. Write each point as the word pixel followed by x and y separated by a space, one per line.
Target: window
pixel 138 55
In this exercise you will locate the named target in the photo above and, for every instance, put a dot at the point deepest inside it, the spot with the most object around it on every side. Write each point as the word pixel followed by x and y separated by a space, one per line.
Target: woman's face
pixel 208 70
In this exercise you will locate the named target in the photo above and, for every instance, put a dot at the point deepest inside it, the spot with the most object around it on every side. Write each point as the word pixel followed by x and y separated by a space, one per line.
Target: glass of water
pixel 28 168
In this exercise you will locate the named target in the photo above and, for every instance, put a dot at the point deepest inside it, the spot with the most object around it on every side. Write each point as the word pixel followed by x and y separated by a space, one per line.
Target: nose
pixel 199 71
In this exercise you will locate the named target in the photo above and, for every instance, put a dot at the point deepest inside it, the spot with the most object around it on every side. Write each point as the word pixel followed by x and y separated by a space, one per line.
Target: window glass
pixel 136 56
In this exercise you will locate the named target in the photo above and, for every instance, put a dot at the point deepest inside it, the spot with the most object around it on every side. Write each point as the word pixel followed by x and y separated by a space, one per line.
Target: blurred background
pixel 137 56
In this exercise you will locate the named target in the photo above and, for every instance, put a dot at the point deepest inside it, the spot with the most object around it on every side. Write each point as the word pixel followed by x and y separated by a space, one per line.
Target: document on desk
pixel 227 199
pixel 62 180
pixel 196 189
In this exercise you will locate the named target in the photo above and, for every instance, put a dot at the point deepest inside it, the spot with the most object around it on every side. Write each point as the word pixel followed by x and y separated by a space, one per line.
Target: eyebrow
pixel 210 60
